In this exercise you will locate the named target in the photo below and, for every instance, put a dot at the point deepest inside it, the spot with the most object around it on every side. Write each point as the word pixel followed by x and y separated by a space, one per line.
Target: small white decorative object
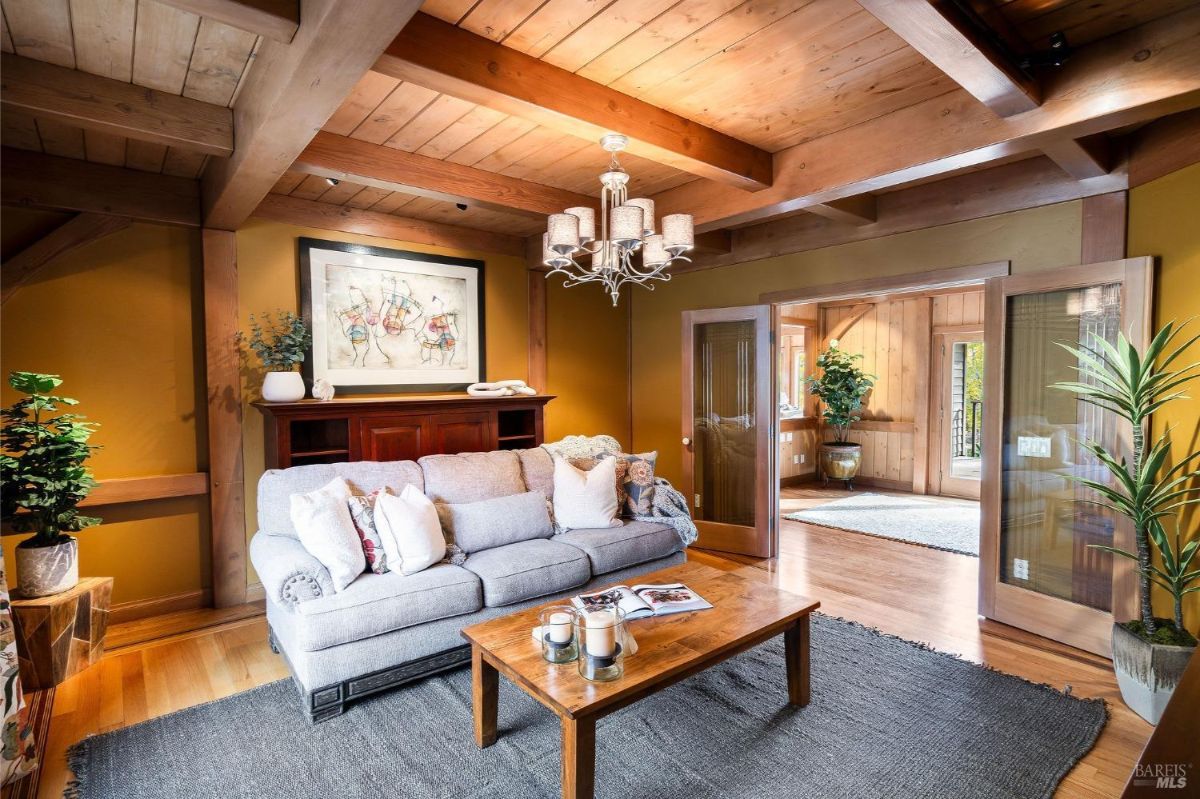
pixel 323 390
pixel 283 387
pixel 501 388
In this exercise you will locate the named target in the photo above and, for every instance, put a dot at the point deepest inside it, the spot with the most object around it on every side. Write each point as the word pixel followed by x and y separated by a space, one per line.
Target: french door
pixel 729 407
pixel 956 460
pixel 1038 570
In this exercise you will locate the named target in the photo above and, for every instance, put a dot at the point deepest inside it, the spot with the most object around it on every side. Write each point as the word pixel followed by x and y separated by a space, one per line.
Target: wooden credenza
pixel 397 428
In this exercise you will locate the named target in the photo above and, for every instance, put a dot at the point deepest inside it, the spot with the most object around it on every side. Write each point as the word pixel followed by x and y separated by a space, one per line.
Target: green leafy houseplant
pixel 841 388
pixel 42 473
pixel 279 342
pixel 1134 386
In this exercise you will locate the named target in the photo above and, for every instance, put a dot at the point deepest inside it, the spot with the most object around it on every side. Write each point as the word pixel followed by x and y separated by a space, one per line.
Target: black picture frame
pixel 305 245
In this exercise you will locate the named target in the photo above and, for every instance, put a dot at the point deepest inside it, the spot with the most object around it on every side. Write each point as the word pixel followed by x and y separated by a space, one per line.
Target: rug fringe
pixel 77 763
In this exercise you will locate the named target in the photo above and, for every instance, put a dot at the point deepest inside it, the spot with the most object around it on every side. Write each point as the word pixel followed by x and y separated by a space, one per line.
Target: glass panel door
pixel 728 416
pixel 1039 569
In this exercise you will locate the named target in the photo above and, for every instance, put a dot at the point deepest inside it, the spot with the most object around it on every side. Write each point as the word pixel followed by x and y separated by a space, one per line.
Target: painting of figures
pixel 390 319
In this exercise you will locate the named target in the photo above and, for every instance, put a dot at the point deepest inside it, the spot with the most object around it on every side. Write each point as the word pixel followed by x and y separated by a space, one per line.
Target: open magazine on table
pixel 640 601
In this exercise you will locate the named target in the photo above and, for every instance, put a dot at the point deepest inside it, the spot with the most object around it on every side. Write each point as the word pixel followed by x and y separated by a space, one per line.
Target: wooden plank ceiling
pixel 142 42
pixel 1026 25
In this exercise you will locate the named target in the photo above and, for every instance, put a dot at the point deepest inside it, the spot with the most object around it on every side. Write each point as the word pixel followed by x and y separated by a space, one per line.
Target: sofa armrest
pixel 288 573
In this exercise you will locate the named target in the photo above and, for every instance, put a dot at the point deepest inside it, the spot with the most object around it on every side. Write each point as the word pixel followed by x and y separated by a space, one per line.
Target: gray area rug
pixel 888 718
pixel 940 525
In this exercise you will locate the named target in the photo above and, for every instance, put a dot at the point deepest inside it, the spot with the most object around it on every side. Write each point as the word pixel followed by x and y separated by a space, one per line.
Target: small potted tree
pixel 1149 653
pixel 841 388
pixel 280 344
pixel 42 481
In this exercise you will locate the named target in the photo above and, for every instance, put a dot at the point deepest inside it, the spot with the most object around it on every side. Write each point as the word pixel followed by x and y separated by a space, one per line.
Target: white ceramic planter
pixel 1147 673
pixel 283 387
pixel 42 571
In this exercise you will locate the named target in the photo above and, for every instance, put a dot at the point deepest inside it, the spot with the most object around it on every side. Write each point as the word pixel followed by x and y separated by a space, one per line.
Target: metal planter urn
pixel 841 461
pixel 1147 673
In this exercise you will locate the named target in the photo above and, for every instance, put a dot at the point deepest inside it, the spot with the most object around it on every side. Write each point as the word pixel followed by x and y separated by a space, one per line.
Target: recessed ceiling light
pixel 332 181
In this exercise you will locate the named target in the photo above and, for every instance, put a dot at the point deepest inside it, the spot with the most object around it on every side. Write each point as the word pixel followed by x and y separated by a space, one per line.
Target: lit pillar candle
pixel 601 638
pixel 560 628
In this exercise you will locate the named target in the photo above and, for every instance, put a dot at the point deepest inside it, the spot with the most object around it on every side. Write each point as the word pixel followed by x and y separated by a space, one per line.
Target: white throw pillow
pixel 409 528
pixel 585 500
pixel 322 520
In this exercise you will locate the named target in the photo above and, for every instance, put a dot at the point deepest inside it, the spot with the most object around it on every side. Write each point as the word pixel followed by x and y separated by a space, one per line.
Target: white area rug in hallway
pixel 953 527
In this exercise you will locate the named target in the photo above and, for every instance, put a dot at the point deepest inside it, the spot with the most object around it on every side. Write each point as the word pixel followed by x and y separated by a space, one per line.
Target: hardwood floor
pixel 914 592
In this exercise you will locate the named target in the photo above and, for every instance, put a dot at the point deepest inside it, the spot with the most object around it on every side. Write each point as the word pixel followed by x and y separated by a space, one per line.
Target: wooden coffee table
pixel 745 613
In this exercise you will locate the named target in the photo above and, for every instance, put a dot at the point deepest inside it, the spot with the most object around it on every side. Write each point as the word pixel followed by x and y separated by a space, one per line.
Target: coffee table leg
pixel 796 646
pixel 485 687
pixel 578 758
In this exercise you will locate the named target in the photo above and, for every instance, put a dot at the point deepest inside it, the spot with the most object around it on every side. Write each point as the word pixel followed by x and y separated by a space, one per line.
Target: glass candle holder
pixel 600 634
pixel 559 642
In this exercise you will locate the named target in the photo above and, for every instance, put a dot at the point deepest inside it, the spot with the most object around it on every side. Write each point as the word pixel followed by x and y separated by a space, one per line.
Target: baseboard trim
pixel 798 479
pixel 255 592
pixel 880 482
pixel 157 606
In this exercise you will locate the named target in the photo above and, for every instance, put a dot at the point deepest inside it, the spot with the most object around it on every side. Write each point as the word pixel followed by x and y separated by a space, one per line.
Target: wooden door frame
pixel 1055 618
pixel 939 389
pixel 766 501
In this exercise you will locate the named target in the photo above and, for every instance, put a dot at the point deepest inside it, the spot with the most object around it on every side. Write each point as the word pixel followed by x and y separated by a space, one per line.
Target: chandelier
pixel 626 229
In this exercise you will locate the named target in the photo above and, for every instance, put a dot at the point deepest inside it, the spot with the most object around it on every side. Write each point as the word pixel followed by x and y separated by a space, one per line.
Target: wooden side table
pixel 59 636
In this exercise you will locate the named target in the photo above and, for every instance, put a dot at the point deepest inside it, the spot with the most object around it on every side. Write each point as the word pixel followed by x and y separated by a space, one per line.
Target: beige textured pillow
pixel 585 500
pixel 322 521
pixel 410 531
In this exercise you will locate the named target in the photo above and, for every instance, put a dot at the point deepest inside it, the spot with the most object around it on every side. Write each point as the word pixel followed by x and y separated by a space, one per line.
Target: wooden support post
pixel 921 438
pixel 224 418
pixel 537 331
pixel 1104 222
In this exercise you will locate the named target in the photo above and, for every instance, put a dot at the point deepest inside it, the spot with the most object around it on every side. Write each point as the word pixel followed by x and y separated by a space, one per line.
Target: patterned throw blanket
pixel 669 506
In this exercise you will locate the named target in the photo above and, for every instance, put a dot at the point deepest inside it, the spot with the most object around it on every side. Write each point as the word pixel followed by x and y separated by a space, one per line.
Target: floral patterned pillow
pixel 362 511
pixel 19 756
pixel 638 487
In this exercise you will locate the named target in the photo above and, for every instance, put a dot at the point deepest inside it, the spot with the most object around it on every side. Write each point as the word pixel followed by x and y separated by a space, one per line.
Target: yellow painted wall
pixel 269 279
pixel 587 362
pixel 120 320
pixel 1163 217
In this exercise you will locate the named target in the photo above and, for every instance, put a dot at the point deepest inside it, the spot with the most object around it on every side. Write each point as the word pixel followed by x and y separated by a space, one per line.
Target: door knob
pixel 687 442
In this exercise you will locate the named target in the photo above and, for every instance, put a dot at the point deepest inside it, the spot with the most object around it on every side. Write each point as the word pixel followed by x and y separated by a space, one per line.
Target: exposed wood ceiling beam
pixel 111 106
pixel 1104 87
pixel 1082 158
pixel 1029 183
pixel 941 33
pixel 72 234
pixel 858 210
pixel 1164 146
pixel 309 213
pixel 66 184
pixel 454 61
pixel 331 156
pixel 274 19
pixel 290 92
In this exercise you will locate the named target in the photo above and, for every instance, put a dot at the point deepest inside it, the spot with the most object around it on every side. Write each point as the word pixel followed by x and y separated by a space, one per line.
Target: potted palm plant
pixel 280 344
pixel 1149 653
pixel 841 388
pixel 42 481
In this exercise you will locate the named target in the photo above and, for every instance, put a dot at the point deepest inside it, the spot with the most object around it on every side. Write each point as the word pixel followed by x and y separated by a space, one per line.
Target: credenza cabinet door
pixel 395 438
pixel 469 431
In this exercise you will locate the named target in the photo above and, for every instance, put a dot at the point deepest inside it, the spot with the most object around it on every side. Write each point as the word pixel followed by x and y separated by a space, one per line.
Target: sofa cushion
pixel 537 468
pixel 490 523
pixel 613 548
pixel 472 476
pixel 276 486
pixel 528 569
pixel 379 603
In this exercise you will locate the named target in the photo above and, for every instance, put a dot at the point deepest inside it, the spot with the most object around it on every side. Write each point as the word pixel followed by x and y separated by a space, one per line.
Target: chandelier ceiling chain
pixel 626 228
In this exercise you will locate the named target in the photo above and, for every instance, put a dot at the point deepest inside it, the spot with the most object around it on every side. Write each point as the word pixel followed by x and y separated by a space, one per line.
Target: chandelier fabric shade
pixel 622 244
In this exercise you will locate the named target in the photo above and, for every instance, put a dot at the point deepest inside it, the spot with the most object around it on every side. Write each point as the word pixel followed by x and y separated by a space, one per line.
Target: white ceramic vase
pixel 42 571
pixel 283 387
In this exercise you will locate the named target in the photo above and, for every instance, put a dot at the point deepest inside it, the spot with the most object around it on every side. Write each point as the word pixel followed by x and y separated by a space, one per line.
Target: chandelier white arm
pixel 626 227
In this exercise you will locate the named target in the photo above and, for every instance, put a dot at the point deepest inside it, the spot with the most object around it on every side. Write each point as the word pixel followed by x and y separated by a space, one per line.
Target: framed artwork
pixel 391 320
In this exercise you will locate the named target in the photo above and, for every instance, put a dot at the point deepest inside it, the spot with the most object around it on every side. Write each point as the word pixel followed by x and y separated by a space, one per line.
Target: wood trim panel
pixel 921 405
pixel 67 184
pixel 913 281
pixel 1164 146
pixel 331 156
pixel 274 19
pixel 309 213
pixel 143 489
pixel 937 30
pixel 223 373
pixel 1105 218
pixel 1082 158
pixel 51 92
pixel 124 612
pixel 290 92
pixel 915 143
pixel 71 235
pixel 442 57
pixel 860 210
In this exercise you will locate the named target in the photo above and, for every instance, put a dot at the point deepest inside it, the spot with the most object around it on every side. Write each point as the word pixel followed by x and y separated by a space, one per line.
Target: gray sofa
pixel 387 629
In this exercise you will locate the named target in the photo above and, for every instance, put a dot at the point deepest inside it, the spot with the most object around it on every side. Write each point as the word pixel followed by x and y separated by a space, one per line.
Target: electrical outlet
pixel 697 505
pixel 1020 568
pixel 801 457
pixel 795 459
